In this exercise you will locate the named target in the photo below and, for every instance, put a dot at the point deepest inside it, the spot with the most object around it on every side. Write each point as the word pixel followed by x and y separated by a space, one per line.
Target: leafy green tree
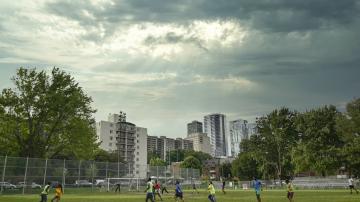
pixel 156 161
pixel 225 170
pixel 201 156
pixel 319 148
pixel 245 166
pixel 104 156
pixel 191 162
pixel 177 155
pixel 46 115
pixel 348 127
pixel 277 135
pixel 151 155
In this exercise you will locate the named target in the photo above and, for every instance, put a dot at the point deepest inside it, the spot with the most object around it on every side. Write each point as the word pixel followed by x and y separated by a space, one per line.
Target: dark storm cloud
pixel 272 15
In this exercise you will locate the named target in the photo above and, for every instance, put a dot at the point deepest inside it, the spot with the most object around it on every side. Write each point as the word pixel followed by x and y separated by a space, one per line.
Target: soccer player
pixel 211 190
pixel 290 190
pixel 157 190
pixel 178 192
pixel 58 192
pixel 194 188
pixel 117 187
pixel 257 187
pixel 45 192
pixel 149 191
pixel 351 186
pixel 164 189
pixel 223 187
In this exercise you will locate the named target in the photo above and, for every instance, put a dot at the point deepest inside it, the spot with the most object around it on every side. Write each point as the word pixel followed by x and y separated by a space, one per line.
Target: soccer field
pixel 231 196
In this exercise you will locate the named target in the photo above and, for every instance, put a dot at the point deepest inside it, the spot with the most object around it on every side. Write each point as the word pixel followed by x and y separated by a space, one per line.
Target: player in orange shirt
pixel 58 193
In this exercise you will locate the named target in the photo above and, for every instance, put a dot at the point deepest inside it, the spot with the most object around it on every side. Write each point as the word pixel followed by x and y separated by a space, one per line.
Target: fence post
pixel 3 174
pixel 157 171
pixel 92 176
pixel 64 172
pixel 25 175
pixel 118 171
pixel 79 170
pixel 106 170
pixel 44 181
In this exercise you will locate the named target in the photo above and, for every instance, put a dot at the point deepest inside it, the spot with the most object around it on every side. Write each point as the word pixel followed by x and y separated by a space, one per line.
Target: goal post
pixel 123 183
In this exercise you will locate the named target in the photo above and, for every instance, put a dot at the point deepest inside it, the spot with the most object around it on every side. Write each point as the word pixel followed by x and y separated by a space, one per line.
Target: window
pixel 111 137
pixel 110 144
pixel 111 125
pixel 137 172
pixel 111 131
pixel 138 147
pixel 137 159
pixel 137 153
pixel 137 141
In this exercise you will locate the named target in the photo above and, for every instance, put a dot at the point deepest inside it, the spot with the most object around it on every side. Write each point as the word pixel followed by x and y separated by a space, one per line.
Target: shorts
pixel 351 186
pixel 290 195
pixel 179 195
pixel 257 192
pixel 149 195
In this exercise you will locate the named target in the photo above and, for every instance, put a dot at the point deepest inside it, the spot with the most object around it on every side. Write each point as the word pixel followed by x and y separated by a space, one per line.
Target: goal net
pixel 123 184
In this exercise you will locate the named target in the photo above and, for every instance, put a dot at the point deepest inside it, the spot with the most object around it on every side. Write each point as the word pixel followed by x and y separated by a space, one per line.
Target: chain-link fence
pixel 29 175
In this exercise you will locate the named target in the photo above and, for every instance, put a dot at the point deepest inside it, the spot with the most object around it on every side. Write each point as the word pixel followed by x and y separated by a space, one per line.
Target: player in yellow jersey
pixel 211 190
pixel 58 193
pixel 290 190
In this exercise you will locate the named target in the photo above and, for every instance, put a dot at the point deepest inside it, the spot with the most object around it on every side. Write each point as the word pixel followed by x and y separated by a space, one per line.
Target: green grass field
pixel 231 196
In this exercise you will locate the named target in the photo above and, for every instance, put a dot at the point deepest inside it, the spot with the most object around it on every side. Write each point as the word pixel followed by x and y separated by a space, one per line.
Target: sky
pixel 166 63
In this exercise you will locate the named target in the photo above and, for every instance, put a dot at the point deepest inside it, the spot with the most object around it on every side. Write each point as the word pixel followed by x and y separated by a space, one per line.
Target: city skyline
pixel 168 63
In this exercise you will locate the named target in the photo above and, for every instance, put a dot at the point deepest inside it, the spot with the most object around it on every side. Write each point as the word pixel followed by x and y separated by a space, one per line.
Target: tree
pixel 201 156
pixel 46 116
pixel 103 156
pixel 245 166
pixel 277 136
pixel 177 155
pixel 191 162
pixel 157 162
pixel 225 170
pixel 319 148
pixel 151 155
pixel 348 128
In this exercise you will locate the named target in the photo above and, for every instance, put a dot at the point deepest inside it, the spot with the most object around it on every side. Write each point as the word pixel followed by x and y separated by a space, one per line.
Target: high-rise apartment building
pixel 216 128
pixel 183 144
pixel 163 145
pixel 127 140
pixel 200 141
pixel 238 130
pixel 194 127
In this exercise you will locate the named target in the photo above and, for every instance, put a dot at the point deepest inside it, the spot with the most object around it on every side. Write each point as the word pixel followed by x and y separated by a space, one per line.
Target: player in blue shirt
pixel 178 192
pixel 257 187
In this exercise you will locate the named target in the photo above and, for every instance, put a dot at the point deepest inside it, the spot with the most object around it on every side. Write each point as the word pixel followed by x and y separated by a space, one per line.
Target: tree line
pixel 321 141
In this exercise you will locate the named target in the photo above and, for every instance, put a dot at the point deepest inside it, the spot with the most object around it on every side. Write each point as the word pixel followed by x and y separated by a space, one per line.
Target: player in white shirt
pixel 352 186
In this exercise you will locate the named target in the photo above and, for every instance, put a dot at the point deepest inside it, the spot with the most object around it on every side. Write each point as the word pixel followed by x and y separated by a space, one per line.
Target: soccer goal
pixel 123 184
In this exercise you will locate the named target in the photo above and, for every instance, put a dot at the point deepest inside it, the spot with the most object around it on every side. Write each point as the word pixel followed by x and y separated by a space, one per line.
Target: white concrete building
pixel 238 132
pixel 106 132
pixel 132 146
pixel 201 142
pixel 140 152
pixel 215 125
